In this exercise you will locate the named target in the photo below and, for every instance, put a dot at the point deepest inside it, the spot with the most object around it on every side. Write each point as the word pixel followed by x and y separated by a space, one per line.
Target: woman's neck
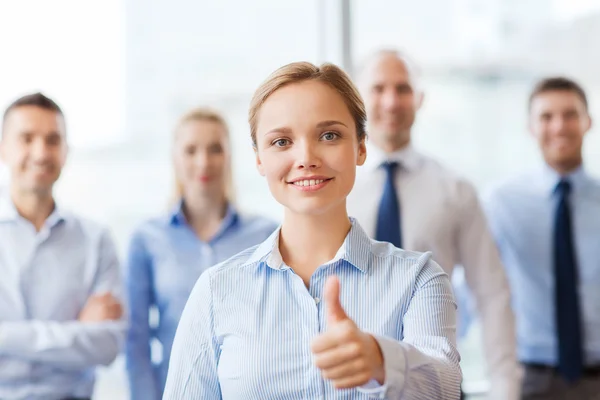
pixel 204 214
pixel 307 242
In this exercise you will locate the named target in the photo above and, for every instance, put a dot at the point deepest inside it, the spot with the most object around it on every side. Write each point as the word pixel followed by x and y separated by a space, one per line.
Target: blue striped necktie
pixel 388 216
pixel 568 318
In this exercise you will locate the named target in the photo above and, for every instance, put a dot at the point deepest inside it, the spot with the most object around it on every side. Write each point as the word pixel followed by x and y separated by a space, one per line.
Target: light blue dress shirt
pixel 247 327
pixel 165 260
pixel 521 213
pixel 46 279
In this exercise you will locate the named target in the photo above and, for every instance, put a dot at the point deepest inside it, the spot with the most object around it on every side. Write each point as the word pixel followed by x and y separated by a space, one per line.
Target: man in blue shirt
pixel 547 226
pixel 60 307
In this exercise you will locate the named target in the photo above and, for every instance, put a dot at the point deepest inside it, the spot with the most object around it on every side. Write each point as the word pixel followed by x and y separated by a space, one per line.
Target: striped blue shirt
pixel 164 262
pixel 521 214
pixel 46 278
pixel 247 327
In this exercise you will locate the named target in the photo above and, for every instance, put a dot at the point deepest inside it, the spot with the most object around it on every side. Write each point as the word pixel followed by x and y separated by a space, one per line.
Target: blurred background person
pixel 167 254
pixel 60 307
pixel 408 199
pixel 547 226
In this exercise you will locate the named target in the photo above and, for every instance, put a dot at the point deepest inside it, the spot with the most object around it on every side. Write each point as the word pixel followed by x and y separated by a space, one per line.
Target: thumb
pixel 101 296
pixel 335 311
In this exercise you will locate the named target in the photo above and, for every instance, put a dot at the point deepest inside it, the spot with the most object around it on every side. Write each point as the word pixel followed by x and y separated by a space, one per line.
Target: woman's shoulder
pixel 393 256
pixel 384 255
pixel 399 265
pixel 150 229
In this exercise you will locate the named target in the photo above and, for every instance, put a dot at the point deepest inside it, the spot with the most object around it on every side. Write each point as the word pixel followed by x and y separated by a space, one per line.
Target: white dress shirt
pixel 440 212
pixel 46 279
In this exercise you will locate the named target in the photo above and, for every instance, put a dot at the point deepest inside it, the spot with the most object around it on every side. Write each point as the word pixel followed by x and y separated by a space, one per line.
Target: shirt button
pixel 317 300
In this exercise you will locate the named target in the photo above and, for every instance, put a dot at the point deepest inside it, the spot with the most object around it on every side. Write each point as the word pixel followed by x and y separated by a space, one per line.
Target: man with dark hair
pixel 559 84
pixel 60 308
pixel 547 226
pixel 34 99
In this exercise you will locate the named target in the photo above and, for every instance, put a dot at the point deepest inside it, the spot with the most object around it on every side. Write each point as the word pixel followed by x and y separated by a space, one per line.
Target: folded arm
pixel 72 344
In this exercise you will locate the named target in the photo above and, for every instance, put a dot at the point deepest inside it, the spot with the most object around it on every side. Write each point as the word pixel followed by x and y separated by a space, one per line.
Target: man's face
pixel 392 100
pixel 558 120
pixel 34 148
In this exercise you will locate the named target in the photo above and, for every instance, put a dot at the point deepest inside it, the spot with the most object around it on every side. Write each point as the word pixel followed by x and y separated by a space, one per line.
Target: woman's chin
pixel 313 207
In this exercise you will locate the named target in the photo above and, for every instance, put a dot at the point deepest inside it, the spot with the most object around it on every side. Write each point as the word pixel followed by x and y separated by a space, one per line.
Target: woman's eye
pixel 329 136
pixel 190 151
pixel 215 149
pixel 280 142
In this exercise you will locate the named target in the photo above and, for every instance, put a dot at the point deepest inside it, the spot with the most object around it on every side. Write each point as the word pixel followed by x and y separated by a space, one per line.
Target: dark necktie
pixel 568 319
pixel 388 216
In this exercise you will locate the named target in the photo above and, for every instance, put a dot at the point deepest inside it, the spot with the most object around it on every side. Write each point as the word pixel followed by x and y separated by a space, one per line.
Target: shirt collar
pixel 407 157
pixel 355 250
pixel 57 216
pixel 176 216
pixel 9 213
pixel 550 178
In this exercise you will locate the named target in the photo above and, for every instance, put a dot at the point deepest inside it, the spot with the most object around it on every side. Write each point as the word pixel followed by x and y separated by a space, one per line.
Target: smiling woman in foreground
pixel 318 310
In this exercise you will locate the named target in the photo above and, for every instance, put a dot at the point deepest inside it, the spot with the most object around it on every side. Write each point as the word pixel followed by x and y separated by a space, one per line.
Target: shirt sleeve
pixel 486 278
pixel 195 355
pixel 143 383
pixel 72 344
pixel 425 364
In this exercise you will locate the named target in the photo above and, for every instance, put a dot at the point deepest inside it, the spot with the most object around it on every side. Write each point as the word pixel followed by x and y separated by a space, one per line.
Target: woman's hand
pixel 345 355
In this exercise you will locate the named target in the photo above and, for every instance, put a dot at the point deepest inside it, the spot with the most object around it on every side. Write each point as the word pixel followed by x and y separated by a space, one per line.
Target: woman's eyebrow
pixel 325 124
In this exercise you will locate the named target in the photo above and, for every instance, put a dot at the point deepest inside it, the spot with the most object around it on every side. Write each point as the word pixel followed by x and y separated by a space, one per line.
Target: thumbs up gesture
pixel 345 355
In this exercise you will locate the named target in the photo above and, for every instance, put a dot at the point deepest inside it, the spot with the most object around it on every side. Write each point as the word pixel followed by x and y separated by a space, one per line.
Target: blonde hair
pixel 210 115
pixel 297 72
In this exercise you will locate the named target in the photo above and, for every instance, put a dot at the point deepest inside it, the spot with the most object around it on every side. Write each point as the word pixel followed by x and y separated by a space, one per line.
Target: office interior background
pixel 124 70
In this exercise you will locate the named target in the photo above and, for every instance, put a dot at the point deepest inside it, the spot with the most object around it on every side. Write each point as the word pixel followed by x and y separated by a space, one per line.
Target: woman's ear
pixel 362 153
pixel 259 165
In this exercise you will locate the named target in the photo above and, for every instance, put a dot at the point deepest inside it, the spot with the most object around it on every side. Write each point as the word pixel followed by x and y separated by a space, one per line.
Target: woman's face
pixel 201 158
pixel 307 147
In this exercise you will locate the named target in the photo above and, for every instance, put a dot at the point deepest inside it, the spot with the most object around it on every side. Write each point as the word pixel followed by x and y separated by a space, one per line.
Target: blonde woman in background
pixel 318 310
pixel 167 254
